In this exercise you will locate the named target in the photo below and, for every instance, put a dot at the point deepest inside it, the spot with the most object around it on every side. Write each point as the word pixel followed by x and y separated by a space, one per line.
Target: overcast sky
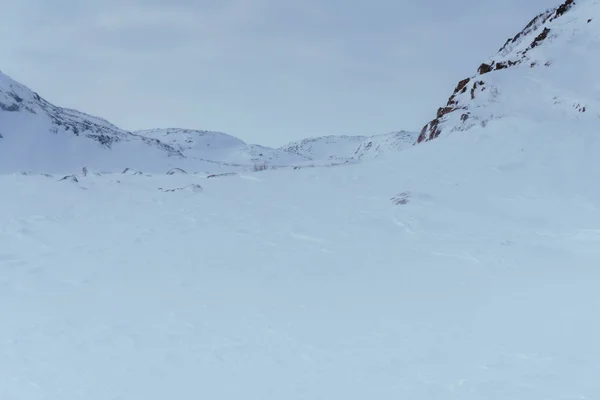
pixel 267 71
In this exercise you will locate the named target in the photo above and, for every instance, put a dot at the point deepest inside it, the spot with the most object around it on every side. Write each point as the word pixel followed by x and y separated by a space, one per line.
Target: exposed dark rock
pixel 130 171
pixel 484 69
pixel 504 64
pixel 540 38
pixel 176 171
pixel 462 85
pixel 71 178
pixel 474 88
pixel 223 174
pixel 563 8
pixel 443 111
pixel 402 198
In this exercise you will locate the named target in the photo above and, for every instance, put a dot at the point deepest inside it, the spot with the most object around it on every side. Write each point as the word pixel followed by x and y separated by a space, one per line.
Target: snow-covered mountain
pixel 350 148
pixel 546 72
pixel 37 135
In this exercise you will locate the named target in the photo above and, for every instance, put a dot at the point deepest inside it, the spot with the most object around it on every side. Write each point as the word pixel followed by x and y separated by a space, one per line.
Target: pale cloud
pixel 266 70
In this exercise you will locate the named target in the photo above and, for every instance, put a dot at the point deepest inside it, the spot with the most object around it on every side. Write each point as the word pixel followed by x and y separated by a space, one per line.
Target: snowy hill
pixel 548 71
pixel 220 147
pixel 347 148
pixel 36 135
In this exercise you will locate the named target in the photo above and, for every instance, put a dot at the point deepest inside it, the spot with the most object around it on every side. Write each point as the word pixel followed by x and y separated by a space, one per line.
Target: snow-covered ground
pixel 463 268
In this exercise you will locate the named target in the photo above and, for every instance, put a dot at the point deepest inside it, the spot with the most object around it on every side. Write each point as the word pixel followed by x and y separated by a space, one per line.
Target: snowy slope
pixel 346 148
pixel 546 72
pixel 473 277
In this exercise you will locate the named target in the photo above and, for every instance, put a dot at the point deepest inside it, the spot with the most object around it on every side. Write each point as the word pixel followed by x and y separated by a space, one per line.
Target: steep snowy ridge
pixel 350 148
pixel 550 65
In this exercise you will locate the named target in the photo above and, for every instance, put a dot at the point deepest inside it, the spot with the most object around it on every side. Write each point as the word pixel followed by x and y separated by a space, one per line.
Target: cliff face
pixel 564 36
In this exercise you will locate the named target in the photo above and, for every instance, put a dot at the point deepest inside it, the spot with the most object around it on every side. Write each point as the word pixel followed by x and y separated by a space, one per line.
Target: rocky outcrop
pixel 514 52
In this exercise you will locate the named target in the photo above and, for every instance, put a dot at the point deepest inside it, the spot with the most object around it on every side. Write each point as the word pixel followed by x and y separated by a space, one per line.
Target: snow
pixel 312 283
pixel 465 267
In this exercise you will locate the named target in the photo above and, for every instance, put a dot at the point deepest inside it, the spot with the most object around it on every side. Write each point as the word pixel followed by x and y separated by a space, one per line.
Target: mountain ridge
pixel 68 139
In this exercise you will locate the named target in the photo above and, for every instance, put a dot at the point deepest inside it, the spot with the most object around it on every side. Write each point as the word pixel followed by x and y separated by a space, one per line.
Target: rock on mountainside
pixel 350 148
pixel 548 70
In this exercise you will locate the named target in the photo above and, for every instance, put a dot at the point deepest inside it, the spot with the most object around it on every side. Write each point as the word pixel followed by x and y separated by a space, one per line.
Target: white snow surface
pixel 463 268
